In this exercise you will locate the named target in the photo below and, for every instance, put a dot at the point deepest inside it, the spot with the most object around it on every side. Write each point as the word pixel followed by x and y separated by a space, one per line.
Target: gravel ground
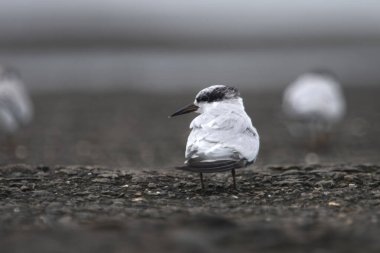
pixel 94 173
pixel 288 209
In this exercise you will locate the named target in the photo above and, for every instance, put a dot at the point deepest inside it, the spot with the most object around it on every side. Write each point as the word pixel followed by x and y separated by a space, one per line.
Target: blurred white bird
pixel 16 108
pixel 222 137
pixel 313 104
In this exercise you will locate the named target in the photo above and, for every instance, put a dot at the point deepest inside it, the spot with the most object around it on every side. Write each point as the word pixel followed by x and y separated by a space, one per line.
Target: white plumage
pixel 16 109
pixel 313 103
pixel 223 131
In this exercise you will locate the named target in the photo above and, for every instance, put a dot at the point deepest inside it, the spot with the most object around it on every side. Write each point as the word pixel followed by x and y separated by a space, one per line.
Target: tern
pixel 222 137
pixel 313 104
pixel 16 108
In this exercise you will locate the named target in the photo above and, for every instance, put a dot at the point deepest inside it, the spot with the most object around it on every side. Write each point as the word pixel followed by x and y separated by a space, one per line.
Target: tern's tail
pixel 214 166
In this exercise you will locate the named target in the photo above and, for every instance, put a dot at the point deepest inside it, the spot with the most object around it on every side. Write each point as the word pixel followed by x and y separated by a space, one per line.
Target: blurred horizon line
pixel 173 44
pixel 165 70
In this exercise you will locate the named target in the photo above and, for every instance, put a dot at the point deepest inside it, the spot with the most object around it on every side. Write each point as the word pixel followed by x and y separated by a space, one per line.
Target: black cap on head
pixel 217 93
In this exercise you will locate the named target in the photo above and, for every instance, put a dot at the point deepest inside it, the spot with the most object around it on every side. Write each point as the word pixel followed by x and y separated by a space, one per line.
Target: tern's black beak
pixel 184 110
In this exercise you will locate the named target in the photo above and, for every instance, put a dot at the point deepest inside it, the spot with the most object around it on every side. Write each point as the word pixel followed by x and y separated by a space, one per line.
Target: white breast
pixel 222 132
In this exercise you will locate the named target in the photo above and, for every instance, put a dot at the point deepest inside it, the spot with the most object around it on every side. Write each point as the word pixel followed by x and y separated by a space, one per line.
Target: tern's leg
pixel 233 178
pixel 201 177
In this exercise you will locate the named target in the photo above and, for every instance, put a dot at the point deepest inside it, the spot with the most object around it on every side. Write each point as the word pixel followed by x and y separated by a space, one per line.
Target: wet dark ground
pixel 94 173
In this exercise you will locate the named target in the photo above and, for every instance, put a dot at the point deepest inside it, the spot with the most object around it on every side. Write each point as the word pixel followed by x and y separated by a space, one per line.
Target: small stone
pixel 101 180
pixel 118 201
pixel 325 183
pixel 152 185
pixel 135 187
pixel 69 171
pixel 24 188
pixel 333 203
pixel 191 184
pixel 41 193
pixel 139 199
pixel 138 180
pixel 153 193
pixel 109 175
pixel 351 186
pixel 349 178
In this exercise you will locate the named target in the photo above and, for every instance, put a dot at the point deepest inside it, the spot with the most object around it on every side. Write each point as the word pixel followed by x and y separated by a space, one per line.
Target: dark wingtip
pixel 211 167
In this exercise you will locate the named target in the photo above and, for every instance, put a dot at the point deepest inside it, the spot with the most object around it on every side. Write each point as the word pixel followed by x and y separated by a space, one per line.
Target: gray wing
pixel 194 165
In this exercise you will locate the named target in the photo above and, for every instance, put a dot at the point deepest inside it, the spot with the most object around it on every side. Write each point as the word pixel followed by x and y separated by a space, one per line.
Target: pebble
pixel 152 185
pixel 118 201
pixel 101 180
pixel 139 199
pixel 191 184
pixel 349 178
pixel 325 183
pixel 41 193
pixel 214 198
pixel 69 171
pixel 333 203
pixel 138 180
pixel 109 175
pixel 135 187
pixel 24 188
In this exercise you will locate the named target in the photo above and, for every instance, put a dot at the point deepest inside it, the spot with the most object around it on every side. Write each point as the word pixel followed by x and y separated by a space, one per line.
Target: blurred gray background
pixel 175 45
